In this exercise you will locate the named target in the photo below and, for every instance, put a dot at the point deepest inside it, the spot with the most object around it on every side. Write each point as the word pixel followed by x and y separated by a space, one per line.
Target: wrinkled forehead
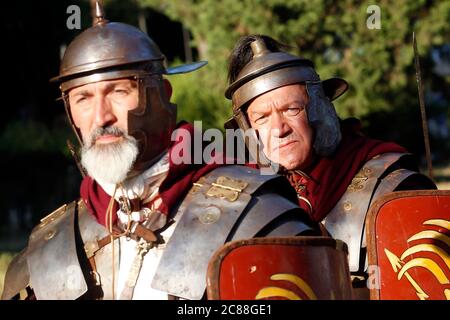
pixel 281 97
pixel 104 85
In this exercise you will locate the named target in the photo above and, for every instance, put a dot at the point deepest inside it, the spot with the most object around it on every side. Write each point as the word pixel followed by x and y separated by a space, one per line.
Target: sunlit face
pixel 103 104
pixel 279 117
pixel 100 112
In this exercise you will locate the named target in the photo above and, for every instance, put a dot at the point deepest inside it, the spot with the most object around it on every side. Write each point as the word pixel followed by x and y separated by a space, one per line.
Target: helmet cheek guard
pixel 65 98
pixel 152 122
pixel 323 119
pixel 251 139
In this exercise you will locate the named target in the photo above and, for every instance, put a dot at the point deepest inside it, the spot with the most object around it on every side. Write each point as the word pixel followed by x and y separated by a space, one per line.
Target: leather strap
pixel 139 232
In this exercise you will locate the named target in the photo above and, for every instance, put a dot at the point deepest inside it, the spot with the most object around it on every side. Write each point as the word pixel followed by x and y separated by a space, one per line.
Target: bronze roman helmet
pixel 267 70
pixel 111 50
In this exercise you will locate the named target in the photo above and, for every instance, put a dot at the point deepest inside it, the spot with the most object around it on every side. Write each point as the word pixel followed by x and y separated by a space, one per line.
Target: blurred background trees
pixel 378 63
pixel 38 174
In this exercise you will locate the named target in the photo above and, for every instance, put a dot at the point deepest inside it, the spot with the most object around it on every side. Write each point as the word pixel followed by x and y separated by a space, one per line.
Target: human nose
pixel 104 114
pixel 278 126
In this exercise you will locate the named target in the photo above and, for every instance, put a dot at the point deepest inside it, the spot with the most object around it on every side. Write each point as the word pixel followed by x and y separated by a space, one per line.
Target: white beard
pixel 109 163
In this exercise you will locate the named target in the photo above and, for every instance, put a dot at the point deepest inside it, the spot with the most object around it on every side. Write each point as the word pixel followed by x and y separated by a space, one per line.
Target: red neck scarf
pixel 176 185
pixel 330 176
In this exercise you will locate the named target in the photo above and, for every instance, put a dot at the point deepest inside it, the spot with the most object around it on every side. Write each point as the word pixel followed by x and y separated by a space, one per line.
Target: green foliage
pixel 378 64
pixel 197 102
pixel 20 137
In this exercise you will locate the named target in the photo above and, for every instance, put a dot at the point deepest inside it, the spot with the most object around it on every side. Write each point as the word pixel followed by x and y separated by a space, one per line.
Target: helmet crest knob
pixel 99 14
pixel 259 48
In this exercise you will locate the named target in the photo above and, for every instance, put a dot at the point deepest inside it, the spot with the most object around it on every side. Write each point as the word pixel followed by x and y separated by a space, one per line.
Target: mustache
pixel 276 142
pixel 101 131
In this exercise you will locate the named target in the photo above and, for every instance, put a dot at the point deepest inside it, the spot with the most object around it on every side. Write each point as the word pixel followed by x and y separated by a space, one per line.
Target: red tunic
pixel 328 178
pixel 174 188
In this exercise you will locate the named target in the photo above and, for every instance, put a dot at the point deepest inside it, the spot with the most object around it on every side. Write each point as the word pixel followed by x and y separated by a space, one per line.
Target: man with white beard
pixel 145 226
pixel 120 156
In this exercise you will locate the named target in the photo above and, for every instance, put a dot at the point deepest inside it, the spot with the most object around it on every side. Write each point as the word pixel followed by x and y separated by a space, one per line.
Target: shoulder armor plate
pixel 207 218
pixel 346 220
pixel 51 257
pixel 17 277
pixel 50 263
pixel 55 272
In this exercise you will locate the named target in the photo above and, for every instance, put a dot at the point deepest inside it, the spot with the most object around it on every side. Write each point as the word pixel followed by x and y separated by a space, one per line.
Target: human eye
pixel 260 119
pixel 80 100
pixel 293 110
pixel 121 91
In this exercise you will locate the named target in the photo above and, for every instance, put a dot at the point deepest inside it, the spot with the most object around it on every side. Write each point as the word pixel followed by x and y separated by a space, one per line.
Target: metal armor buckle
pixel 52 216
pixel 359 180
pixel 226 188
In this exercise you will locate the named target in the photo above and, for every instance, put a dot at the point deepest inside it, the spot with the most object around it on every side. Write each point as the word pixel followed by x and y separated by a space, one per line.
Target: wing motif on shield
pixel 271 292
pixel 432 241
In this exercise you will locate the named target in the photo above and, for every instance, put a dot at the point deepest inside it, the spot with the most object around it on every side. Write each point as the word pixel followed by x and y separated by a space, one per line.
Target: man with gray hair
pixel 335 170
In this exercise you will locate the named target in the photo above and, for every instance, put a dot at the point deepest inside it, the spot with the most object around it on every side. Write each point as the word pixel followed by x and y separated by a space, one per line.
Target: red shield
pixel 280 268
pixel 408 236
